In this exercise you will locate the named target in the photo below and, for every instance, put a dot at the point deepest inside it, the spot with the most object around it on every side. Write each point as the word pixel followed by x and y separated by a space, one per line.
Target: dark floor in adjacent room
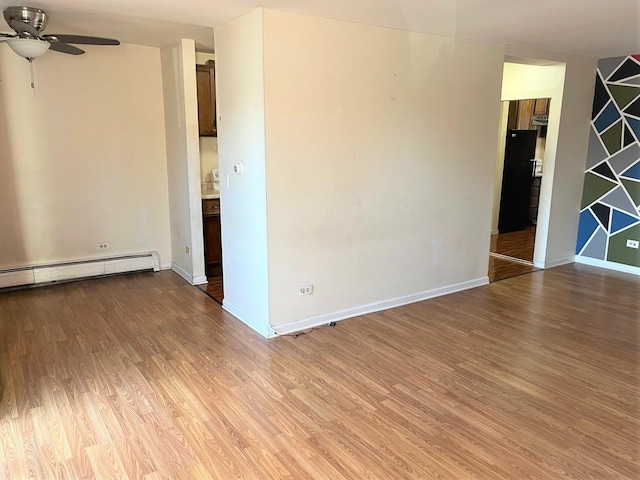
pixel 214 288
pixel 511 254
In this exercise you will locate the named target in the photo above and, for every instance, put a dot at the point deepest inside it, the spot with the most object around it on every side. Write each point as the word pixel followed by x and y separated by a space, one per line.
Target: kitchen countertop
pixel 209 194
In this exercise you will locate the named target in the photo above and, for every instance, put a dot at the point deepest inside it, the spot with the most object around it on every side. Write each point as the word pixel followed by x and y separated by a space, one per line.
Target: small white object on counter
pixel 215 179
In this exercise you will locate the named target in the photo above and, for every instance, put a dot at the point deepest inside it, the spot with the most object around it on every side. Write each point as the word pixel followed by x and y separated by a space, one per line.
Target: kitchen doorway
pixel 519 171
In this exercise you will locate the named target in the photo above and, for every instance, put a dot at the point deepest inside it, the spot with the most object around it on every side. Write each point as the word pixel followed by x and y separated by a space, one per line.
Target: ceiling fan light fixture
pixel 28 48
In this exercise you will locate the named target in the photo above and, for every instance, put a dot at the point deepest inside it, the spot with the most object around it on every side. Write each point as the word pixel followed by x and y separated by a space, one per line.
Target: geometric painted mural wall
pixel 610 212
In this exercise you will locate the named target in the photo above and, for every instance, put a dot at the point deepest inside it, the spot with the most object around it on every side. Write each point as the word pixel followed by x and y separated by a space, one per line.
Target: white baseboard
pixel 182 272
pixel 200 280
pixel 619 267
pixel 558 262
pixel 495 232
pixel 305 324
pixel 262 328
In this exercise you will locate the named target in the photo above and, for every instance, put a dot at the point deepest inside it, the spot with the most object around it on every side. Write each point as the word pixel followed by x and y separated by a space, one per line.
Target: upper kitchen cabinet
pixel 205 75
pixel 521 112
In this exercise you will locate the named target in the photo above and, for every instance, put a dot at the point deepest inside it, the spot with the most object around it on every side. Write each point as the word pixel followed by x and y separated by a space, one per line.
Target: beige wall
pixel 82 159
pixel 208 158
pixel 241 135
pixel 380 154
pixel 183 160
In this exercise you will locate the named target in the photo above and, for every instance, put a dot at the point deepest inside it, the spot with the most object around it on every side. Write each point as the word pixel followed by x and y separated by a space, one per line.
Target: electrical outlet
pixel 633 243
pixel 103 246
pixel 306 290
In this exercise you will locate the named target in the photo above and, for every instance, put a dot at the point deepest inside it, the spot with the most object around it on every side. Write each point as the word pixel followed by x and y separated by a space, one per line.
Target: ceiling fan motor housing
pixel 29 15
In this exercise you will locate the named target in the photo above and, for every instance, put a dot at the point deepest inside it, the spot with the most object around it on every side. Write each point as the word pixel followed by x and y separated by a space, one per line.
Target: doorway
pixel 519 171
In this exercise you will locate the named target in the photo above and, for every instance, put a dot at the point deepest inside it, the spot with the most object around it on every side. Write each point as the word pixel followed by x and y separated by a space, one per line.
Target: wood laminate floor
pixel 143 376
pixel 214 288
pixel 515 244
pixel 506 249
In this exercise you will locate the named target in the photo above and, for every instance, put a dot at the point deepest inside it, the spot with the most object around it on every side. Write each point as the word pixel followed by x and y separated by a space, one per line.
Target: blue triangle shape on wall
pixel 607 117
pixel 633 172
pixel 621 220
pixel 587 226
pixel 634 123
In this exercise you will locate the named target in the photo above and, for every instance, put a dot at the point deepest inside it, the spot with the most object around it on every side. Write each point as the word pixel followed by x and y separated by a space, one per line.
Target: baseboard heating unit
pixel 59 272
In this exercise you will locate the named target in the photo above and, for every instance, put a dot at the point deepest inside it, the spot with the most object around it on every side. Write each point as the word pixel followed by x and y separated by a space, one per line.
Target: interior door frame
pixel 546 187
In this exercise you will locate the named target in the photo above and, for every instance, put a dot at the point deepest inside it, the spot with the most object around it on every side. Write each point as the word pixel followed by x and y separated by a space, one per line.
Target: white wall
pixel 82 160
pixel 183 160
pixel 381 148
pixel 241 135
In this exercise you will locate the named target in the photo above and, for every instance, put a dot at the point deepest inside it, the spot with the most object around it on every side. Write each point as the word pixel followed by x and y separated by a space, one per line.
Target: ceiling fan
pixel 28 41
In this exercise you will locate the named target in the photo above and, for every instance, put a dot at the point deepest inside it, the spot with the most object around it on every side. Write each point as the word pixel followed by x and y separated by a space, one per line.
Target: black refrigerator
pixel 516 180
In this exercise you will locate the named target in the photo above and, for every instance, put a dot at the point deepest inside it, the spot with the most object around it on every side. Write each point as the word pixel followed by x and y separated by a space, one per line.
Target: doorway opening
pixel 532 95
pixel 519 171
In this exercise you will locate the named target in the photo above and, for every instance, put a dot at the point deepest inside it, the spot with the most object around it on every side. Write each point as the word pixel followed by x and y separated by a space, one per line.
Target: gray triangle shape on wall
pixel 631 81
pixel 619 199
pixel 597 247
pixel 623 159
pixel 596 152
pixel 608 65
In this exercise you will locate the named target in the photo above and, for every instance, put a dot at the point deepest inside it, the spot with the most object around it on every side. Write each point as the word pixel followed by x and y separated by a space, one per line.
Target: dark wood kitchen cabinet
pixel 206 85
pixel 212 237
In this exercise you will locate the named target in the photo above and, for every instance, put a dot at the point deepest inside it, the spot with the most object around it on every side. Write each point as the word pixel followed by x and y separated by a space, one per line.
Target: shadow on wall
pixel 12 250
pixel 11 234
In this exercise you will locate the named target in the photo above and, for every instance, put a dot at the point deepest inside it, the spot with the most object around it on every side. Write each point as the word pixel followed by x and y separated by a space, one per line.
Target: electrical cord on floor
pixel 304 332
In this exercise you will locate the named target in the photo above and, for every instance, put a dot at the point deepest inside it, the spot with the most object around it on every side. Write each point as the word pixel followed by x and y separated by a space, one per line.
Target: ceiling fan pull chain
pixel 33 85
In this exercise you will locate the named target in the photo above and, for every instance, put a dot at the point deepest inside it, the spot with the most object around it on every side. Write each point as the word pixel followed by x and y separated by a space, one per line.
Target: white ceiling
pixel 595 28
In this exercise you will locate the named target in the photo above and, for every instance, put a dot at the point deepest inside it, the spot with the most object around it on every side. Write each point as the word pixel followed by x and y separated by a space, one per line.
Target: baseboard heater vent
pixel 58 272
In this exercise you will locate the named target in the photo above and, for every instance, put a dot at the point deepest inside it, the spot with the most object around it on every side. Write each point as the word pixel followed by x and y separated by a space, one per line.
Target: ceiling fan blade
pixel 7 35
pixel 64 48
pixel 81 40
pixel 21 27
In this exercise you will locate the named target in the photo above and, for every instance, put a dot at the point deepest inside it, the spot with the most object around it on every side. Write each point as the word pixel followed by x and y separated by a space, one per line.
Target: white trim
pixel 200 280
pixel 619 267
pixel 510 259
pixel 558 262
pixel 307 323
pixel 182 272
pixel 495 232
pixel 262 328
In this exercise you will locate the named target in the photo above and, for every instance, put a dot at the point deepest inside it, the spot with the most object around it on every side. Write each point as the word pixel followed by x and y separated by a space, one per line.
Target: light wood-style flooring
pixel 143 376
pixel 511 247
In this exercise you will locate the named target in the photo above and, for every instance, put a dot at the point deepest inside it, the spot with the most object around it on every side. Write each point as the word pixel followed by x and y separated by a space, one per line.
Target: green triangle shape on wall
pixel 594 188
pixel 612 138
pixel 623 95
pixel 633 189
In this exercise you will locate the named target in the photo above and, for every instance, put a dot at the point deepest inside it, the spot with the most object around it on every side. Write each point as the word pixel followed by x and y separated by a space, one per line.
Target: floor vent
pixel 58 272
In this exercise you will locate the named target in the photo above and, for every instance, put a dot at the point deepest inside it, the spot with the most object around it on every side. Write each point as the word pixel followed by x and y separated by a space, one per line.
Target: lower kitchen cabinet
pixel 212 237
